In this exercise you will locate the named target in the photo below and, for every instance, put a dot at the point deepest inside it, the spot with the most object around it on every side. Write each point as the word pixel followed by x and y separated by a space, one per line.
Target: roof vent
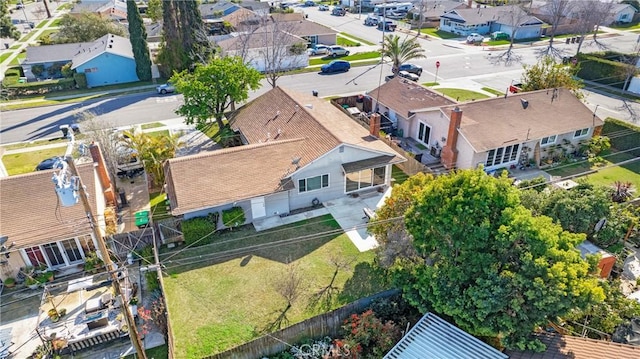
pixel 110 46
pixel 524 103
pixel 309 106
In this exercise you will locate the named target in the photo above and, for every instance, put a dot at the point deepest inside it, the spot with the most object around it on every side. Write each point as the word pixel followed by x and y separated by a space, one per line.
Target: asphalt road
pixel 461 66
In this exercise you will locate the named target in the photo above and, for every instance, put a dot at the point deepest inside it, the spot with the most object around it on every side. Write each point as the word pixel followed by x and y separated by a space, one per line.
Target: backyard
pixel 224 294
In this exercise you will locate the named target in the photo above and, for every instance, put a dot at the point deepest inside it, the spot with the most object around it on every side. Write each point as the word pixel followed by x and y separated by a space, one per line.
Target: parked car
pixel 474 37
pixel 499 35
pixel 338 11
pixel 336 51
pixel 319 49
pixel 19 5
pixel 409 75
pixel 166 88
pixel 371 20
pixel 515 87
pixel 387 26
pixel 50 163
pixel 309 3
pixel 411 68
pixel 336 66
pixel 323 7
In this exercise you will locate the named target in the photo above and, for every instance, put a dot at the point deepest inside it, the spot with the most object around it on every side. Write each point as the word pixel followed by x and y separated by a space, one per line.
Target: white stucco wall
pixel 438 122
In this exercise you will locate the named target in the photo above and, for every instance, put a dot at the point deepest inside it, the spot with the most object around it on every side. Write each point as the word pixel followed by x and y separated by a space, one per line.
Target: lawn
pixel 56 22
pixel 398 176
pixel 343 41
pixel 360 40
pixel 430 84
pixel 359 56
pixel 161 352
pixel 461 95
pixel 219 305
pixel 19 163
pixel 4 56
pixel 631 26
pixel 158 133
pixel 36 143
pixel 48 32
pixel 16 60
pixel 439 33
pixel 495 92
pixel 146 126
pixel 157 201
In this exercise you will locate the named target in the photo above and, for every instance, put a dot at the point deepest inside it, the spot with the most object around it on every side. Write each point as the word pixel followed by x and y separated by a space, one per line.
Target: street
pixel 461 66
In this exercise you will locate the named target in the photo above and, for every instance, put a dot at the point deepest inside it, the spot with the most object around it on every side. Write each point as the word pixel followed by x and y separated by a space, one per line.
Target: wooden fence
pixel 411 166
pixel 325 325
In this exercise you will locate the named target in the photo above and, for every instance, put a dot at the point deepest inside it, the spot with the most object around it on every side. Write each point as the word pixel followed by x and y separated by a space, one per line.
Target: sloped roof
pixel 239 16
pixel 54 53
pixel 278 126
pixel 507 15
pixel 435 9
pixel 31 214
pixel 434 338
pixel 305 28
pixel 404 96
pixel 256 41
pixel 116 45
pixel 499 121
pixel 565 347
pixel 209 9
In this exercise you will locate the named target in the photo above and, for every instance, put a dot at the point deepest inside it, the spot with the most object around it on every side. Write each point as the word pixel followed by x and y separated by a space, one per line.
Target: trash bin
pixel 142 219
pixel 6 46
pixel 76 128
pixel 123 197
pixel 418 157
pixel 65 130
pixel 568 40
pixel 314 93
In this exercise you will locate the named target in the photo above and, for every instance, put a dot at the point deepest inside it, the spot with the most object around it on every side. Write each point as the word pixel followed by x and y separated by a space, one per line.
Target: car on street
pixel 397 15
pixel 499 35
pixel 323 7
pixel 319 49
pixel 474 37
pixel 338 11
pixel 387 26
pixel 371 20
pixel 409 75
pixel 335 51
pixel 309 3
pixel 50 163
pixel 336 66
pixel 166 88
pixel 411 68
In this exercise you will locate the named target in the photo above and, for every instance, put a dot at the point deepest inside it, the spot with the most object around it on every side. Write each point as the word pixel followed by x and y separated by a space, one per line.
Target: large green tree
pixel 7 29
pixel 210 89
pixel 138 38
pixel 152 151
pixel 490 265
pixel 154 10
pixel 400 51
pixel 548 73
pixel 86 27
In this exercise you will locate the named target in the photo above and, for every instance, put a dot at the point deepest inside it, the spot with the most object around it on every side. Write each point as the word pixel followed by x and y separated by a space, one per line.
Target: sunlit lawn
pixel 214 307
pixel 25 162
pixel 439 33
pixel 461 95
pixel 158 205
pixel 495 92
pixel 354 57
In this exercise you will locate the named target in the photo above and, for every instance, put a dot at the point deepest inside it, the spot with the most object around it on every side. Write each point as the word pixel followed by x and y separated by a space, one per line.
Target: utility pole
pixel 133 331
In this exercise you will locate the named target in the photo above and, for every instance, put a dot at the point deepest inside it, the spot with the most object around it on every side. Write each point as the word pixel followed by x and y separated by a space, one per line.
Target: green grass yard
pixel 25 162
pixel 343 41
pixel 495 92
pixel 439 33
pixel 359 56
pixel 215 305
pixel 461 95
pixel 360 40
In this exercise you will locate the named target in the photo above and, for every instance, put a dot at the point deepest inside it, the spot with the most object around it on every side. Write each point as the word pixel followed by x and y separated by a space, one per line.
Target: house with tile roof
pixel 298 151
pixel 39 230
pixel 484 20
pixel 517 130
pixel 108 60
pixel 107 9
pixel 565 347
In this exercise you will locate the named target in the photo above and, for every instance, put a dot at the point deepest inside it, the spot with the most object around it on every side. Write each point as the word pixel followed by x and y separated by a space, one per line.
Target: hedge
pixel 233 217
pixel 39 88
pixel 629 140
pixel 197 231
pixel 599 68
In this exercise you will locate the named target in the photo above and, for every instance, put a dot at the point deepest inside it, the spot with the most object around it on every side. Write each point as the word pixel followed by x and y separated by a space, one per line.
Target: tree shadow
pixel 506 58
pixel 367 279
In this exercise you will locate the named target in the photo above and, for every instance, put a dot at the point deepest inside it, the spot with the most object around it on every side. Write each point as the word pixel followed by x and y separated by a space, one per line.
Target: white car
pixel 166 88
pixel 319 49
pixel 338 51
pixel 474 37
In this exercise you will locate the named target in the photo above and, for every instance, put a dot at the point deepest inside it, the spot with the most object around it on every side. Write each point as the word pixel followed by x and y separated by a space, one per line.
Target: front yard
pixel 224 294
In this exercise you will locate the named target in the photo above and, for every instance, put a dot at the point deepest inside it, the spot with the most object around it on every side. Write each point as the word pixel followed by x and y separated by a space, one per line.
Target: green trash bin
pixel 142 218
pixel 400 132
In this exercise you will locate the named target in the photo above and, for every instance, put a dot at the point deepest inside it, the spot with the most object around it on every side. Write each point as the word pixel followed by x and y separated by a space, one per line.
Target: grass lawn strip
pixel 146 126
pixel 158 205
pixel 241 300
pixel 439 33
pixel 359 56
pixel 360 40
pixel 19 145
pixel 461 95
pixel 26 162
pixel 343 41
pixel 495 92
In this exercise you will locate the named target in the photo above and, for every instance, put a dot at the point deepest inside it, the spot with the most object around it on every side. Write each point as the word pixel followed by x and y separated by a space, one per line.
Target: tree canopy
pixel 7 29
pixel 489 264
pixel 154 10
pixel 211 88
pixel 547 73
pixel 401 51
pixel 138 38
pixel 86 27
pixel 152 151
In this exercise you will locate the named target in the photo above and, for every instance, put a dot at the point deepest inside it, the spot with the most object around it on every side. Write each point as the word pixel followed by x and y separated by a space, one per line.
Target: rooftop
pixel 565 347
pixel 404 96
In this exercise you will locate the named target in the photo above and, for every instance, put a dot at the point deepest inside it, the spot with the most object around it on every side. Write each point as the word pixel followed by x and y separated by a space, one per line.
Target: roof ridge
pixel 234 149
pixel 304 108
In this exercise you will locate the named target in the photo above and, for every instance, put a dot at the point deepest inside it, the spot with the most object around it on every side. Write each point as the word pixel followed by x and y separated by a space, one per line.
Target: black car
pixel 411 68
pixel 50 163
pixel 336 66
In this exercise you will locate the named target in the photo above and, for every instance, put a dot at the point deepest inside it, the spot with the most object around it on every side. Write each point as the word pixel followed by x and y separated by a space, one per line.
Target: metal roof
pixel 432 337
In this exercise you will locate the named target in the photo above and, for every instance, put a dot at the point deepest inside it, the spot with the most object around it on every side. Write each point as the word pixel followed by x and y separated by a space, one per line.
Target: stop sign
pixel 437 63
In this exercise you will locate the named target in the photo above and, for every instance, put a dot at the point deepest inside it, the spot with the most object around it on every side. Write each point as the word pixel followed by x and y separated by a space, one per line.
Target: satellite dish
pixel 601 223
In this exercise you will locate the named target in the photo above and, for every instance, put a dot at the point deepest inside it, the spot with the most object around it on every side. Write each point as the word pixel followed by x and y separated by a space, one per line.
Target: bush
pixel 36 88
pixel 595 67
pixel 9 281
pixel 81 80
pixel 196 229
pixel 153 283
pixel 369 336
pixel 233 217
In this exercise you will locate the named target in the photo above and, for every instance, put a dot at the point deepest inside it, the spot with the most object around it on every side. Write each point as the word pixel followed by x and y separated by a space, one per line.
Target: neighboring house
pixel 486 20
pixel 521 129
pixel 433 10
pixel 313 32
pixel 106 61
pixel 261 8
pixel 400 99
pixel 42 232
pixel 113 9
pixel 621 14
pixel 435 338
pixel 109 60
pixel 606 262
pixel 217 10
pixel 298 151
pixel 266 49
pixel 569 347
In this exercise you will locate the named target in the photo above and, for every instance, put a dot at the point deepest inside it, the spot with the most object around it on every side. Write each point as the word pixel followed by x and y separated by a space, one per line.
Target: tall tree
pixel 590 15
pixel 515 17
pixel 547 73
pixel 172 55
pixel 138 38
pixel 86 27
pixel 491 265
pixel 400 52
pixel 154 10
pixel 152 151
pixel 557 11
pixel 7 29
pixel 210 89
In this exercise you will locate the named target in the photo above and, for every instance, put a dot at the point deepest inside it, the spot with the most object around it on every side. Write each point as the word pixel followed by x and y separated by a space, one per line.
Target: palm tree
pixel 401 51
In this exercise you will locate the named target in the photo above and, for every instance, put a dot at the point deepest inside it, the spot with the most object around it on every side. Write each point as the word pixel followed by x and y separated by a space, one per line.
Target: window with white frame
pixel 502 155
pixel 54 255
pixel 365 178
pixel 548 140
pixel 580 133
pixel 313 183
pixel 72 251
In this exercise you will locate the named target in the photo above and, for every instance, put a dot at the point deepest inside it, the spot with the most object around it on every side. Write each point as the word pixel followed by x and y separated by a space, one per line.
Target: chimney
pixel 105 180
pixel 374 125
pixel 450 151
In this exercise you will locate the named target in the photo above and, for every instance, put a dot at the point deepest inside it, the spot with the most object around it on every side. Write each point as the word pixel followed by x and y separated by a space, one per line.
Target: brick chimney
pixel 374 125
pixel 450 150
pixel 105 180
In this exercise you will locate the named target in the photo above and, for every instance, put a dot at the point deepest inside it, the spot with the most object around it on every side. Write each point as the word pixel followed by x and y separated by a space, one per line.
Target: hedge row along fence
pixel 79 81
pixel 604 67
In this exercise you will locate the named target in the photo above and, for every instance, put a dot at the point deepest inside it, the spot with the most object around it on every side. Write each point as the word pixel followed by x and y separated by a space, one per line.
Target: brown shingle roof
pixel 306 28
pixel 497 122
pixel 259 40
pixel 563 347
pixel 279 126
pixel 404 96
pixel 30 213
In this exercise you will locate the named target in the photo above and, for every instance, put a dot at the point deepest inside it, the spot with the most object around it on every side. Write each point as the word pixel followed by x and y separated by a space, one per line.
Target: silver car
pixel 166 88
pixel 338 51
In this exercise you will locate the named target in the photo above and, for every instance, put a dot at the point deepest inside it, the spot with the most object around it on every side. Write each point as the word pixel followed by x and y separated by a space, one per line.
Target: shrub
pixel 9 281
pixel 196 229
pixel 66 70
pixel 153 283
pixel 368 335
pixel 35 88
pixel 603 70
pixel 81 80
pixel 233 217
pixel 37 69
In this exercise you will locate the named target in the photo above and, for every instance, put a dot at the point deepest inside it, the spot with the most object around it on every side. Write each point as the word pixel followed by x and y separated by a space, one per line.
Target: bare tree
pixel 102 132
pixel 421 8
pixel 515 17
pixel 290 286
pixel 324 298
pixel 591 14
pixel 557 11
